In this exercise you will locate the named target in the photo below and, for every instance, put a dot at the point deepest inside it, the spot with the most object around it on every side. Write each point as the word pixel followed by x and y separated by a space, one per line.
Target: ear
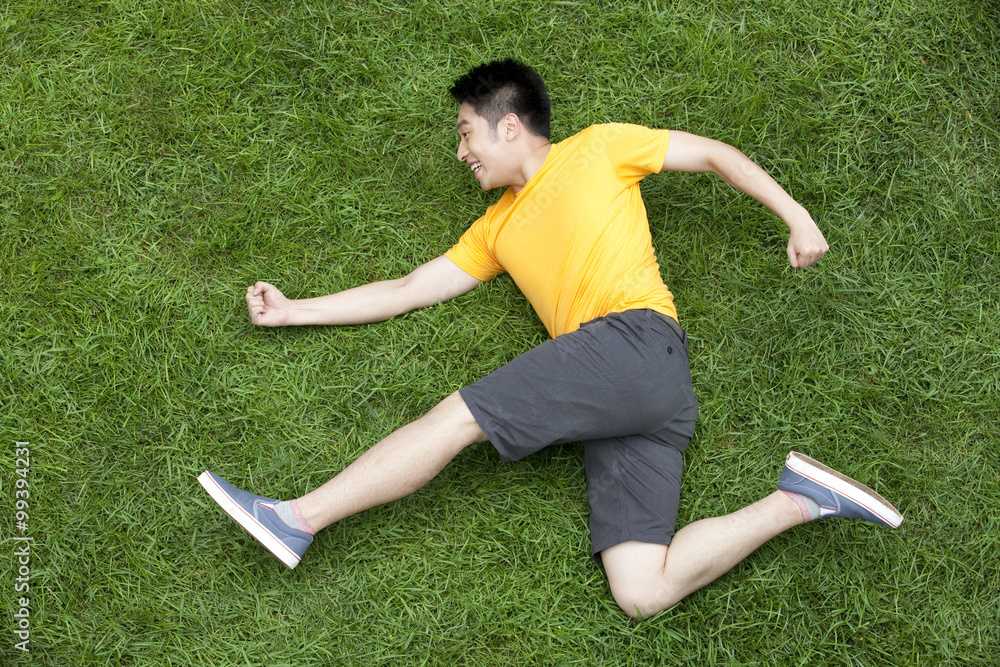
pixel 509 127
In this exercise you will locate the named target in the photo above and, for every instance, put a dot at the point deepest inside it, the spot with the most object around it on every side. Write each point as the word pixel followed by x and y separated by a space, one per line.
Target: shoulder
pixel 494 213
pixel 613 135
pixel 617 129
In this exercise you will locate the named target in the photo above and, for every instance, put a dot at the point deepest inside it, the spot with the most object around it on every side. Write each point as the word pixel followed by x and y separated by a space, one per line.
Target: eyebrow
pixel 458 127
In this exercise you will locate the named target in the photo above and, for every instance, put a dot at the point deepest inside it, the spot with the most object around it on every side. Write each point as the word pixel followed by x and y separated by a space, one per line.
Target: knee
pixel 638 579
pixel 643 603
pixel 631 605
pixel 643 594
pixel 453 415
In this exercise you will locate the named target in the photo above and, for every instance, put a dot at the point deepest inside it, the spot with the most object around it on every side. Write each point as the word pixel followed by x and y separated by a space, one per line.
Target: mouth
pixel 476 167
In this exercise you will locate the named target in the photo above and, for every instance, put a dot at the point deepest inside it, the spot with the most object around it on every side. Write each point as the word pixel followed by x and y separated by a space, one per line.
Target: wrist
pixel 797 217
pixel 293 314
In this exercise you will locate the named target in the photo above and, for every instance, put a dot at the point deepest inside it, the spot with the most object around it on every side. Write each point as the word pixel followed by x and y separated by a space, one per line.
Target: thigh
pixel 624 374
pixel 634 485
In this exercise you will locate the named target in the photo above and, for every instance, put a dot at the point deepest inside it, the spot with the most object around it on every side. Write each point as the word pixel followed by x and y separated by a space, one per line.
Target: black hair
pixel 506 86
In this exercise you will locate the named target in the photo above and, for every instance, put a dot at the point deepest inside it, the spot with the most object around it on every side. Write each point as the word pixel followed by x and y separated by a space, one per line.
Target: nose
pixel 462 152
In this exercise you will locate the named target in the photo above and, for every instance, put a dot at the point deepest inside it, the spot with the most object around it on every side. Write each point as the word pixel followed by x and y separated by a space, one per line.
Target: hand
pixel 806 244
pixel 267 305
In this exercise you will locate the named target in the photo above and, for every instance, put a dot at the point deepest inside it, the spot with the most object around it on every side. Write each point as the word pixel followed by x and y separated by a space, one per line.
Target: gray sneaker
pixel 837 495
pixel 256 514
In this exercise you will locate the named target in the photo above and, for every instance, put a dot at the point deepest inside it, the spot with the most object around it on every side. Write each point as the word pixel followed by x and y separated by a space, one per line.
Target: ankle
pixel 806 505
pixel 288 512
pixel 306 527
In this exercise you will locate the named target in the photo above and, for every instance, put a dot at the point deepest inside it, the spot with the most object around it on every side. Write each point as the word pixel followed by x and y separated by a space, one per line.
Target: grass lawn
pixel 158 157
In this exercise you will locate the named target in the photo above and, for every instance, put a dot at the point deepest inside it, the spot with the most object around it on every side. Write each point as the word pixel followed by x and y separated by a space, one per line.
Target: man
pixel 572 232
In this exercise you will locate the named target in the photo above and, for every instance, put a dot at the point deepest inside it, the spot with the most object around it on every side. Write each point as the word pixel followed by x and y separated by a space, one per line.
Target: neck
pixel 535 153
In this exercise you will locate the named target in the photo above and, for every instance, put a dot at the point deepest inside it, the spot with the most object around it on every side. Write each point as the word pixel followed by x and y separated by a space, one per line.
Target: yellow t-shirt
pixel 576 238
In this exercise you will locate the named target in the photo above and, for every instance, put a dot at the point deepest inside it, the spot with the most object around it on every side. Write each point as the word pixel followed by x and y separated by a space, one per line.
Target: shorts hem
pixel 485 423
pixel 598 546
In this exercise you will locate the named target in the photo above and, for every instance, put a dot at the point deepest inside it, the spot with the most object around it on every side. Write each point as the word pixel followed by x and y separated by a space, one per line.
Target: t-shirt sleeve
pixel 635 151
pixel 473 252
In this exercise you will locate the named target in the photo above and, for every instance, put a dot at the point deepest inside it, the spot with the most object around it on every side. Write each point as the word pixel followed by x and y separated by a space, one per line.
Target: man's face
pixel 481 148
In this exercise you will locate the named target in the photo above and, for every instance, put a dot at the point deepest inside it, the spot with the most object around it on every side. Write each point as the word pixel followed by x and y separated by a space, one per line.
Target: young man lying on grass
pixel 571 230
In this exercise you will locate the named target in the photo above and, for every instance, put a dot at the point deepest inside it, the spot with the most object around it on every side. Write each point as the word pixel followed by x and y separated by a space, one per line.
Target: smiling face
pixel 483 148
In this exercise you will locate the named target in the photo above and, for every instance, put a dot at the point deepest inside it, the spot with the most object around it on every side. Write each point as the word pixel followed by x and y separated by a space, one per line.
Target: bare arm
pixel 689 152
pixel 436 281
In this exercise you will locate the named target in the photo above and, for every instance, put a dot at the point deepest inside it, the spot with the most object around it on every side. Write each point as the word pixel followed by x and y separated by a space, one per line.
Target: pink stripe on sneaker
pixel 306 528
pixel 797 499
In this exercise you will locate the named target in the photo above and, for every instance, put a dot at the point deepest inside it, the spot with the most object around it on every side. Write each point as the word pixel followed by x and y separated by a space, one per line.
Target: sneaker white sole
pixel 248 522
pixel 845 486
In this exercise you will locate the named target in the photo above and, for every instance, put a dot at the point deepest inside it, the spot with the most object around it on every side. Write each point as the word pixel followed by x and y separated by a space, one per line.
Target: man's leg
pixel 393 468
pixel 396 466
pixel 647 578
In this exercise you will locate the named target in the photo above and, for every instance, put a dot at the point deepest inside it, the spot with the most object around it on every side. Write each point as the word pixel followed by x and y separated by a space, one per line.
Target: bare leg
pixel 648 578
pixel 396 466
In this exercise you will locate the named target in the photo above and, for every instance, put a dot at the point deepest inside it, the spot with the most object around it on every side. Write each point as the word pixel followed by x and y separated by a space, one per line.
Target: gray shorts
pixel 620 384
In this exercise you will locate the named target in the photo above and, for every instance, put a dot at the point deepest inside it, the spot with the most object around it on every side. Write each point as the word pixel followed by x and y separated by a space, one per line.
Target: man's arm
pixel 689 152
pixel 436 281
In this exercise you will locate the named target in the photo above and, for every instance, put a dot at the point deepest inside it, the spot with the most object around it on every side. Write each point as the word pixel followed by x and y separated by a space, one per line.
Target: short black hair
pixel 506 86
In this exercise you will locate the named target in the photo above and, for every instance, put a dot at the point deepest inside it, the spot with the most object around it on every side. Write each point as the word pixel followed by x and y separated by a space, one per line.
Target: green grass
pixel 157 157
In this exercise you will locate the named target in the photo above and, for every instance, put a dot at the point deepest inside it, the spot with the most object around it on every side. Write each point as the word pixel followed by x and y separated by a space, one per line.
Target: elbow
pixel 405 294
pixel 736 168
